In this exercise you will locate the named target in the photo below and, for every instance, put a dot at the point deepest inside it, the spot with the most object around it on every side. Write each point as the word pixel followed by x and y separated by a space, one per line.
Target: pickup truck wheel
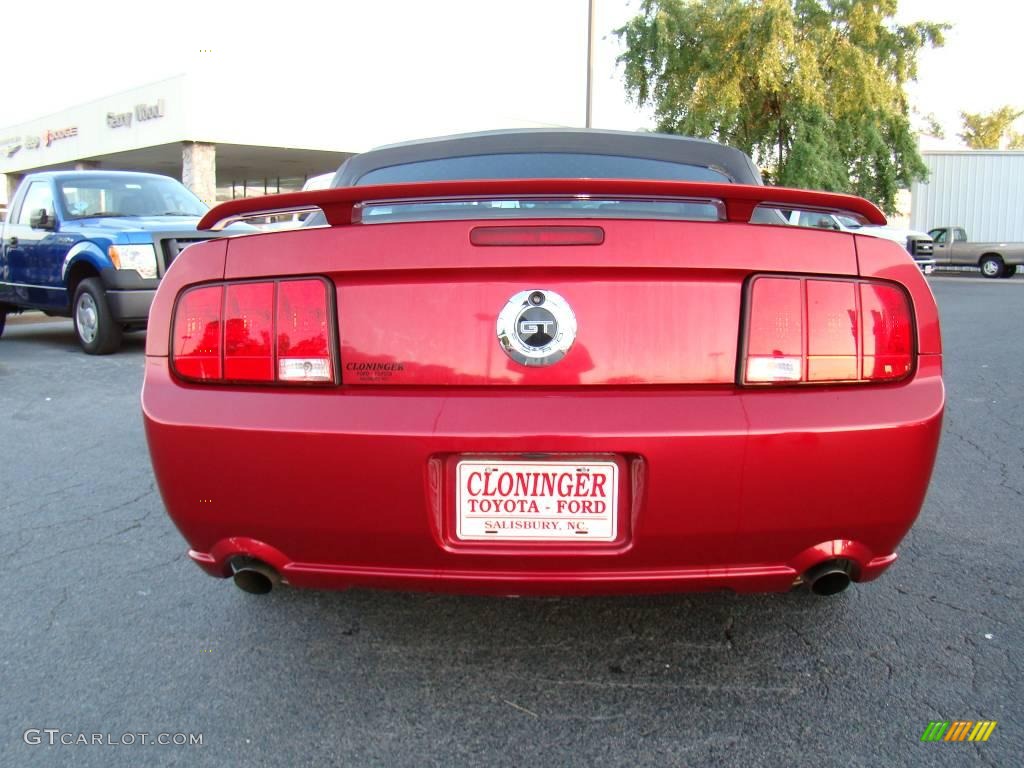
pixel 991 266
pixel 97 331
pixel 1009 270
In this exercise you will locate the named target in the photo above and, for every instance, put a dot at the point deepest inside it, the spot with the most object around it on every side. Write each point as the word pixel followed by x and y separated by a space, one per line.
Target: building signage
pixel 141 113
pixel 61 133
pixel 11 146
pixel 119 119
pixel 149 111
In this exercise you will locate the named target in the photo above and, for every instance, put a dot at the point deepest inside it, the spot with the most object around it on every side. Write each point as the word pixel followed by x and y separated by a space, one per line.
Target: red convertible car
pixel 530 362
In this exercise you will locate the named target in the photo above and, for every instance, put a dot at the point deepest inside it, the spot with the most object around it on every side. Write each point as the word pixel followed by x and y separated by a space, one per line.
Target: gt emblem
pixel 536 327
pixel 530 327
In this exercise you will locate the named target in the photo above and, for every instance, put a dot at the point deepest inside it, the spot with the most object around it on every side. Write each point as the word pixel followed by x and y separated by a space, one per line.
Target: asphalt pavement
pixel 107 628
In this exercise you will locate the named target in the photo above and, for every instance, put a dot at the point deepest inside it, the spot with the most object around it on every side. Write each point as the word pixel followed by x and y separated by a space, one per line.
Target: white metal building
pixel 979 190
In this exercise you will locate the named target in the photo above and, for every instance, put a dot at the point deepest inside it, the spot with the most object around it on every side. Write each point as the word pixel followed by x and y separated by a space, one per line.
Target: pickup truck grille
pixel 172 246
pixel 920 247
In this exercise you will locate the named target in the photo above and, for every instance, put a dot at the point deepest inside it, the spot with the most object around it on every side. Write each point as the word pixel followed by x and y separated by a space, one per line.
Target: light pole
pixel 590 63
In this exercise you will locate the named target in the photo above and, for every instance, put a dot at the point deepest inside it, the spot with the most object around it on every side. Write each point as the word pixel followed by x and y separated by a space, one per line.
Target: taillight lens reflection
pixel 197 333
pixel 815 330
pixel 303 346
pixel 831 330
pixel 887 332
pixel 248 332
pixel 775 331
pixel 265 331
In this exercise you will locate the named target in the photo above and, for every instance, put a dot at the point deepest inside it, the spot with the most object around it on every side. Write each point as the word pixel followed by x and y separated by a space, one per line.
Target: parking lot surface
pixel 106 627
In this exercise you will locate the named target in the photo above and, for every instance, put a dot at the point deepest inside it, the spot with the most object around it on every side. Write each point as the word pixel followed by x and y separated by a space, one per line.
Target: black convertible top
pixel 730 162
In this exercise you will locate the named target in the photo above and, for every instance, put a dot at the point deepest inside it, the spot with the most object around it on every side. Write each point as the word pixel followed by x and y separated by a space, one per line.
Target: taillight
pixel 257 331
pixel 775 349
pixel 808 330
pixel 249 332
pixel 888 332
pixel 197 333
pixel 303 345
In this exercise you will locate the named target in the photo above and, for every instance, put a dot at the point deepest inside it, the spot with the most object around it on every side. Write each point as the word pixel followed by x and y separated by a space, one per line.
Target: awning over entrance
pixel 242 170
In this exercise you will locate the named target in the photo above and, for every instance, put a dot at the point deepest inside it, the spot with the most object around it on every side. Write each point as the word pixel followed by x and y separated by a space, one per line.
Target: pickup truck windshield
pixel 106 196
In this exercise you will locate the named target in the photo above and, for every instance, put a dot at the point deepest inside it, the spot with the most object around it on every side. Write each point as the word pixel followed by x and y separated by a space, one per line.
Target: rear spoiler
pixel 740 200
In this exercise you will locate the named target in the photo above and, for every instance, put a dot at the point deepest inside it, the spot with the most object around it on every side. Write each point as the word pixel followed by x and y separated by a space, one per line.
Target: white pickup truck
pixel 918 244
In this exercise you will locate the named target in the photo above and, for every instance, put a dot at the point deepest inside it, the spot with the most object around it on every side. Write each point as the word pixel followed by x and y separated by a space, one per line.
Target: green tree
pixel 931 126
pixel 813 90
pixel 992 130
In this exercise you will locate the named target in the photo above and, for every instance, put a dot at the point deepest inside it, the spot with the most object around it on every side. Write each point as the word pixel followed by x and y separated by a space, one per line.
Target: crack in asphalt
pixel 158 565
pixel 56 607
pixel 134 525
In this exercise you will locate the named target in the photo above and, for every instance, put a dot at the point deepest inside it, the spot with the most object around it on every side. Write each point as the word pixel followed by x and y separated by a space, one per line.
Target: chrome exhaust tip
pixel 829 578
pixel 254 577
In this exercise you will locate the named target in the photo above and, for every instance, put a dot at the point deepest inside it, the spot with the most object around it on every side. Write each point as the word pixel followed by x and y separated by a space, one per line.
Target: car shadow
pixel 642 645
pixel 60 334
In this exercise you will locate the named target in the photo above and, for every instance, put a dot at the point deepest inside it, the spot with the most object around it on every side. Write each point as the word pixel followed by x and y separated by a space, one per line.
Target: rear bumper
pixel 526 582
pixel 724 489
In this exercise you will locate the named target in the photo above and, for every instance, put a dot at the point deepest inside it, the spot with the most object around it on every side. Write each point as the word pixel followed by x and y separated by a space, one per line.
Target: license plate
pixel 536 500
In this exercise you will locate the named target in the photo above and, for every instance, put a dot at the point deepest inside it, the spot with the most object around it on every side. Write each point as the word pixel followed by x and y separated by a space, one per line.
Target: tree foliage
pixel 813 90
pixel 992 130
pixel 931 126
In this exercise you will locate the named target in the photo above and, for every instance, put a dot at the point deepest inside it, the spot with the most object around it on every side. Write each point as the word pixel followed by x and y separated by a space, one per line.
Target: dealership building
pixel 226 140
pixel 181 127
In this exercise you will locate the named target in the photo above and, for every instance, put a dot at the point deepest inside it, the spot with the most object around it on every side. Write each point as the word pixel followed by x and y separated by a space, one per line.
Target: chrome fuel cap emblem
pixel 536 327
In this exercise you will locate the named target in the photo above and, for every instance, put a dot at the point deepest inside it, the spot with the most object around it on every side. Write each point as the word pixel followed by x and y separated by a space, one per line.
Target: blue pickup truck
pixel 93 245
